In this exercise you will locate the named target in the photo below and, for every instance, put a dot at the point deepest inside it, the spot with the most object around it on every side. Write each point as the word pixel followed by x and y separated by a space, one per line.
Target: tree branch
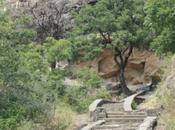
pixel 109 37
pixel 104 37
pixel 118 57
pixel 130 49
pixel 124 51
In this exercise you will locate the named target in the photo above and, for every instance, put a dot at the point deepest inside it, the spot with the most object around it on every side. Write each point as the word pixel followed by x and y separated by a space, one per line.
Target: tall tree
pixel 115 24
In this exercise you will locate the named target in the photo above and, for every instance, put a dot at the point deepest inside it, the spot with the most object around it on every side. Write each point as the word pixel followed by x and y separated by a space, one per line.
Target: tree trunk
pixel 53 65
pixel 122 81
pixel 121 59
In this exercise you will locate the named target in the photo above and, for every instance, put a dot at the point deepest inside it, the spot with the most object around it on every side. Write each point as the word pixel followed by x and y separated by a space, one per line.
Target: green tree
pixel 32 57
pixel 58 50
pixel 89 78
pixel 23 89
pixel 111 24
pixel 28 90
pixel 160 19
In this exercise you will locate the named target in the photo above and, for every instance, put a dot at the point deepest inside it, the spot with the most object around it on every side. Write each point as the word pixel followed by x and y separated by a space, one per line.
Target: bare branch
pixel 50 17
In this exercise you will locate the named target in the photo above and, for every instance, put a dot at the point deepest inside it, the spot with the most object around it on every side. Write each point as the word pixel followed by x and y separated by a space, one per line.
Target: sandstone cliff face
pixel 142 66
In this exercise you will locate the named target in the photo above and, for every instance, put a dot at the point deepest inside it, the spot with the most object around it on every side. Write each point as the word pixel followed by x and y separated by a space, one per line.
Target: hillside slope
pixel 164 98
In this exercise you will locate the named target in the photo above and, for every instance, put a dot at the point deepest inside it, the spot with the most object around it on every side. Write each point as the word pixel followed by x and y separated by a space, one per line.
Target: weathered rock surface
pixel 152 68
pixel 94 105
pixel 128 102
pixel 148 124
pixel 90 126
pixel 141 66
pixel 71 82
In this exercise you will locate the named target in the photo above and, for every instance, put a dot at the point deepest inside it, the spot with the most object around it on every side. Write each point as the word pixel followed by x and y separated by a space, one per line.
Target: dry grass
pixel 61 119
pixel 167 118
pixel 165 96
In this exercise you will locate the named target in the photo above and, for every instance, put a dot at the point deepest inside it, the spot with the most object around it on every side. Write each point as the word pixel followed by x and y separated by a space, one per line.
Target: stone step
pixel 114 127
pixel 124 124
pixel 114 107
pixel 123 120
pixel 126 116
pixel 131 125
pixel 126 113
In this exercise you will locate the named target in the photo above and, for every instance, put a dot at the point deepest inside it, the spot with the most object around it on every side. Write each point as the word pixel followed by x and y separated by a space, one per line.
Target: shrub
pixel 8 123
pixel 167 117
pixel 29 125
pixel 81 97
pixel 89 78
pixel 10 114
pixel 58 50
pixel 61 118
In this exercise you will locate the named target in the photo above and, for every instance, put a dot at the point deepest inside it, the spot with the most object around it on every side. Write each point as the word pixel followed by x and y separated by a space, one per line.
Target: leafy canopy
pixel 58 50
pixel 113 24
pixel 23 75
pixel 160 18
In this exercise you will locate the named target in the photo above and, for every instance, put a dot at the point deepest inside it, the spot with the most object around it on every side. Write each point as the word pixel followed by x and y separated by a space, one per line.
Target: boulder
pixel 148 123
pixel 152 68
pixel 71 82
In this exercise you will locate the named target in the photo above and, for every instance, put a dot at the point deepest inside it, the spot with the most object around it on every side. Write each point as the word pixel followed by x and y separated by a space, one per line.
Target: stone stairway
pixel 118 116
pixel 118 119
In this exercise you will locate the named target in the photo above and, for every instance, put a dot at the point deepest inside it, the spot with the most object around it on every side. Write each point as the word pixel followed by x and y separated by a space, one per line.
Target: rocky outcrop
pixel 141 66
pixel 152 68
